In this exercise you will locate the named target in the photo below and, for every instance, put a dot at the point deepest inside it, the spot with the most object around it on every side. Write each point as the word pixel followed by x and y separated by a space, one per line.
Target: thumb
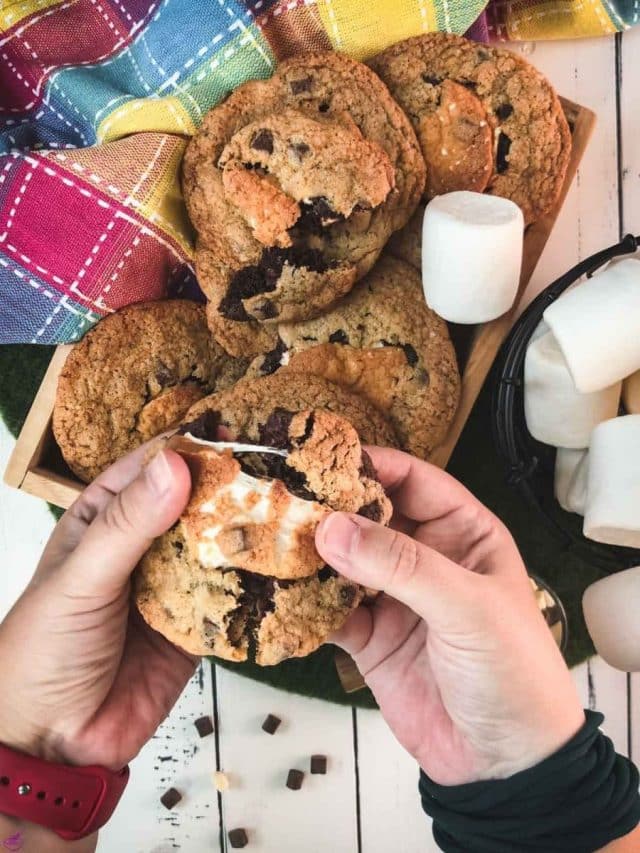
pixel 434 587
pixel 120 534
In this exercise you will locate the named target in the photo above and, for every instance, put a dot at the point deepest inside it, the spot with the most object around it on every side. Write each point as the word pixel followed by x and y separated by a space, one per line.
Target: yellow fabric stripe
pixel 13 13
pixel 363 31
pixel 560 20
pixel 163 115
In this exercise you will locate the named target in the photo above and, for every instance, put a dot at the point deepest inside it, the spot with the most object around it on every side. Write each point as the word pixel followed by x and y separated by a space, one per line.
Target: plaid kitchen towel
pixel 98 98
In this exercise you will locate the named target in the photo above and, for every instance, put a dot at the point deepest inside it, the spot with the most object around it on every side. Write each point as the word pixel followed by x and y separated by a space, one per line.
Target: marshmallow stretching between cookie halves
pixel 555 412
pixel 570 480
pixel 612 512
pixel 596 326
pixel 471 256
pixel 611 612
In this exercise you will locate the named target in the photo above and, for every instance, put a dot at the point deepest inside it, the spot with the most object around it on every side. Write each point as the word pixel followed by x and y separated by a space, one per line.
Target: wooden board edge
pixel 51 487
pixel 488 342
pixel 34 430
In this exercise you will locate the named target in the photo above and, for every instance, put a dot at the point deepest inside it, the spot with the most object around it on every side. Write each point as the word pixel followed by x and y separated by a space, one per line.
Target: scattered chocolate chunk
pixel 271 724
pixel 299 86
pixel 323 107
pixel 170 798
pixel 273 359
pixel 205 426
pixel 347 595
pixel 294 779
pixel 238 838
pixel 371 510
pixel 204 726
pixel 504 144
pixel 319 764
pixel 432 79
pixel 299 151
pixel 275 432
pixel 410 354
pixel 338 337
pixel 263 141
pixel 504 111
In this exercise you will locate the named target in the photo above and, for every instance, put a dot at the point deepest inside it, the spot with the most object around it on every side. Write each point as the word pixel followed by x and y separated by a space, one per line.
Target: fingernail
pixel 158 474
pixel 340 534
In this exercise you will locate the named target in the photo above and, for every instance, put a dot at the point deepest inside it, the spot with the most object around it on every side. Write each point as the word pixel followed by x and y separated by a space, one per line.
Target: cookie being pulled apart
pixel 239 573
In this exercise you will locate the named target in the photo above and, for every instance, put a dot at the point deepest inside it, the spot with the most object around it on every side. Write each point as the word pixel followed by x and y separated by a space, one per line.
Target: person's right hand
pixel 456 652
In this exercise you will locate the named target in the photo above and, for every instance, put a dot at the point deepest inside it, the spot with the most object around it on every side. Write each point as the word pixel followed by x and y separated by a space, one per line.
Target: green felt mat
pixel 475 463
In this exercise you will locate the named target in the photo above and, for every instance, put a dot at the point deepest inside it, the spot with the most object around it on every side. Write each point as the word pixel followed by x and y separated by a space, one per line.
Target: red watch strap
pixel 71 801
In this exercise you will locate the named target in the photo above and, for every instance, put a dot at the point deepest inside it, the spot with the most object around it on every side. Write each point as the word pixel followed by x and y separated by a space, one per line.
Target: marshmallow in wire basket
pixel 570 479
pixel 555 412
pixel 612 513
pixel 596 326
pixel 471 256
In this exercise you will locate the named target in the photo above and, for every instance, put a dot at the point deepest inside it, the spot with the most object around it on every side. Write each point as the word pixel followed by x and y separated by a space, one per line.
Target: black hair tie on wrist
pixel 576 801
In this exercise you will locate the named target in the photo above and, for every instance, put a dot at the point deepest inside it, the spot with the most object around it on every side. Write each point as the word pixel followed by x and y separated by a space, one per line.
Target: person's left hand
pixel 84 679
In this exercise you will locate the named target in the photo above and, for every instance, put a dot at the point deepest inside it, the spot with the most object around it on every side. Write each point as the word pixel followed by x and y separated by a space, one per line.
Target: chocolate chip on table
pixel 170 798
pixel 271 724
pixel 295 779
pixel 338 337
pixel 299 86
pixel 504 111
pixel 319 764
pixel 205 426
pixel 238 838
pixel 204 726
pixel 263 141
pixel 504 144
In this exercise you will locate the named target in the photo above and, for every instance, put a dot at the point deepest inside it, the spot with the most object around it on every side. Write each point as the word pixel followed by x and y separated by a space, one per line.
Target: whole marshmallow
pixel 471 256
pixel 612 513
pixel 570 482
pixel 596 326
pixel 555 412
pixel 631 394
pixel 611 607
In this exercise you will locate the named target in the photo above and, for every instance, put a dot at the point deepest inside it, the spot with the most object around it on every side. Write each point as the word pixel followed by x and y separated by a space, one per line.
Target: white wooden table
pixel 368 802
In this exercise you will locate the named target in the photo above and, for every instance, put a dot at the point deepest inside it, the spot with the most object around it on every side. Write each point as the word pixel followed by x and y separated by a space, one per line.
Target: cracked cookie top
pixel 132 377
pixel 294 185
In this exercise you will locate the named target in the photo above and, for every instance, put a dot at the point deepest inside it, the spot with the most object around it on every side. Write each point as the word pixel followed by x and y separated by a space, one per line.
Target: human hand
pixel 84 679
pixel 456 652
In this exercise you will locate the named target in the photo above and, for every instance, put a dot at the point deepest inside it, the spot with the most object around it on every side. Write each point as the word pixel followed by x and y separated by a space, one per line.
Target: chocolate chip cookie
pixel 531 142
pixel 243 411
pixel 132 377
pixel 318 230
pixel 383 343
pixel 239 572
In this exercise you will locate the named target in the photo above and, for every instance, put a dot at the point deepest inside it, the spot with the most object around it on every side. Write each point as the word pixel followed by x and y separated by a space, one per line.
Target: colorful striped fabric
pixel 98 98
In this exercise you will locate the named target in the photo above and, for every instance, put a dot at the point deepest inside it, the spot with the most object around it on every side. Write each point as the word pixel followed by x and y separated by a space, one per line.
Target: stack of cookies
pixel 305 192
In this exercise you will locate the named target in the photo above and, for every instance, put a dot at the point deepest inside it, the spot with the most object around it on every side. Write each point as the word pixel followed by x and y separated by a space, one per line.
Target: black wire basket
pixel 529 464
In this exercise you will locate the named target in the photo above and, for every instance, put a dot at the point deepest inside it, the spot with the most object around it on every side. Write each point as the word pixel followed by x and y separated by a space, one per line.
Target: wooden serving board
pixel 36 465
